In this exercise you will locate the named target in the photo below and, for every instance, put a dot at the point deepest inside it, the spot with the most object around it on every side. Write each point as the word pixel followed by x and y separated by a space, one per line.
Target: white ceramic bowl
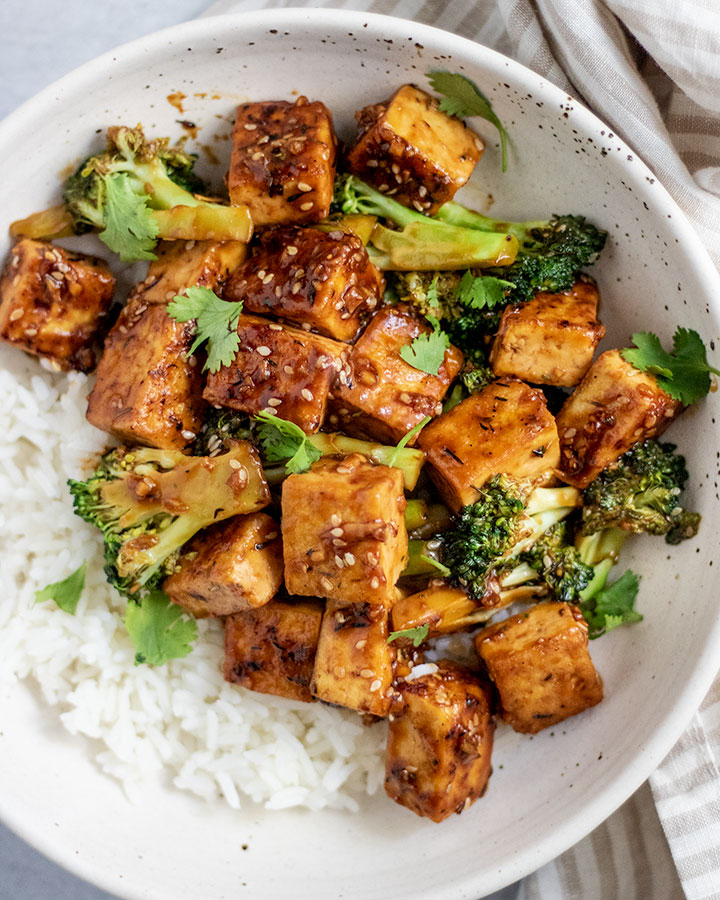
pixel 546 792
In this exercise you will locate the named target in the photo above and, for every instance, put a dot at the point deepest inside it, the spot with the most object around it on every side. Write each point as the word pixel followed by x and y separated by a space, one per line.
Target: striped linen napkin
pixel 651 70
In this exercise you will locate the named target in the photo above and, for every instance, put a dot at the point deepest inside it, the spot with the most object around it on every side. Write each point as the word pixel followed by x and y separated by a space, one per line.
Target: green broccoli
pixel 558 564
pixel 219 428
pixel 641 493
pixel 149 502
pixel 138 190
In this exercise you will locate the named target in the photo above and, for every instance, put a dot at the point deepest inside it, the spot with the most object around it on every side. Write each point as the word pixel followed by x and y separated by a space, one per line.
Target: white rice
pixel 182 719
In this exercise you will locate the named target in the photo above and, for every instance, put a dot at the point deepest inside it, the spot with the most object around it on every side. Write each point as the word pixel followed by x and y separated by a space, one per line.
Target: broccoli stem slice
pixel 601 551
pixel 407 459
pixel 416 514
pixel 423 558
pixel 55 222
pixel 456 214
pixel 200 222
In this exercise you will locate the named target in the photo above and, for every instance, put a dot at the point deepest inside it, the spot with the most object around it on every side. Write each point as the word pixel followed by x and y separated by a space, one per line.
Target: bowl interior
pixel 546 791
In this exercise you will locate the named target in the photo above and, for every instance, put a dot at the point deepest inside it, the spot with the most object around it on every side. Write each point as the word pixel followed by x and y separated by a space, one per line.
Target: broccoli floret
pixel 139 190
pixel 559 564
pixel 416 241
pixel 149 502
pixel 219 429
pixel 641 493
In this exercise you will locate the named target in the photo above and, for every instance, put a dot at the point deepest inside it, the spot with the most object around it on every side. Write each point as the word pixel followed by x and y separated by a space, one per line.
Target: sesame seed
pixel 349 559
pixel 336 532
pixel 343 470
pixel 191 361
pixel 418 205
pixel 375 686
pixel 31 332
pixel 306 206
pixel 261 273
pixel 296 287
pixel 306 394
pixel 273 326
pixel 395 168
pixel 270 411
pixel 268 278
pixel 291 250
pixel 338 561
pixel 304 186
pixel 189 435
pixel 335 519
pixel 250 126
pixel 189 245
pixel 288 370
pixel 258 155
pixel 16 314
pixel 264 351
pixel 375 584
pixel 405 397
pixel 271 536
pixel 338 543
pixel 570 432
pixel 372 163
pixel 235 464
pixel 339 671
pixel 366 673
pixel 422 191
pixel 169 295
pixel 274 401
pixel 360 644
pixel 326 583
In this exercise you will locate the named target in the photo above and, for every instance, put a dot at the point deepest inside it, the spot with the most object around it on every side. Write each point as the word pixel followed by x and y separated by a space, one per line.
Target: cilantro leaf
pixel 443 570
pixel 283 440
pixel 406 438
pixel 463 98
pixel 130 230
pixel 684 374
pixel 432 291
pixel 159 629
pixel 427 352
pixel 481 291
pixel 65 593
pixel 216 323
pixel 417 635
pixel 613 606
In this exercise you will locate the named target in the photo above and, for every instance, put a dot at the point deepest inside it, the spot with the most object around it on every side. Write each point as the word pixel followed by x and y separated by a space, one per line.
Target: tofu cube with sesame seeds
pixel 230 567
pixel 411 151
pixel 54 304
pixel 272 649
pixel 440 741
pixel 540 665
pixel 354 662
pixel 550 339
pixel 381 396
pixel 505 428
pixel 284 371
pixel 148 388
pixel 613 407
pixel 183 264
pixel 282 165
pixel 344 534
pixel 322 280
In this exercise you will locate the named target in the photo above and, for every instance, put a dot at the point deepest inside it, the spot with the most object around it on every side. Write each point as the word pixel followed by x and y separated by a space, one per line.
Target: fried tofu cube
pixel 54 304
pixel 183 264
pixel 503 429
pixel 383 397
pixel 344 533
pixel 440 742
pixel 320 280
pixel 411 151
pixel 613 407
pixel 228 568
pixel 148 388
pixel 283 161
pixel 272 649
pixel 285 371
pixel 541 667
pixel 551 339
pixel 354 662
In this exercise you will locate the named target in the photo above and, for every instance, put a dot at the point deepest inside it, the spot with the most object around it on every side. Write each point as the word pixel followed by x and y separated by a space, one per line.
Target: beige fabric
pixel 651 70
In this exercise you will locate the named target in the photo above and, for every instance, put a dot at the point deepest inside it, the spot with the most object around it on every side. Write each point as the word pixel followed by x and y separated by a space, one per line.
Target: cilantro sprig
pixel 216 323
pixel 481 291
pixel 443 570
pixel 284 440
pixel 129 228
pixel 159 629
pixel 463 98
pixel 416 635
pixel 613 606
pixel 427 352
pixel 65 593
pixel 684 374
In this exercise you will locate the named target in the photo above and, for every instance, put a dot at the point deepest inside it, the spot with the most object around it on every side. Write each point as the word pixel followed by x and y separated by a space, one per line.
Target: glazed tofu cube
pixel 285 371
pixel 410 150
pixel 228 568
pixel 321 280
pixel 148 388
pixel 504 428
pixel 614 407
pixel 344 534
pixel 541 667
pixel 354 662
pixel 183 264
pixel 272 649
pixel 383 397
pixel 283 161
pixel 439 742
pixel 551 339
pixel 54 304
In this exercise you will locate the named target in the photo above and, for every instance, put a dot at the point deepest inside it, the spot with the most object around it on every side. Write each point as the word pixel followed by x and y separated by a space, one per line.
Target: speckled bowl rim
pixel 638 768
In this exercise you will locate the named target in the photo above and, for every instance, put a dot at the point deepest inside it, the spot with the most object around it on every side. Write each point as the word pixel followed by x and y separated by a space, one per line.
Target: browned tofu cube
pixel 354 662
pixel 614 407
pixel 272 649
pixel 54 303
pixel 439 742
pixel 148 388
pixel 344 533
pixel 321 280
pixel 284 371
pixel 183 264
pixel 228 568
pixel 382 397
pixel 541 667
pixel 551 339
pixel 283 161
pixel 407 148
pixel 504 428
